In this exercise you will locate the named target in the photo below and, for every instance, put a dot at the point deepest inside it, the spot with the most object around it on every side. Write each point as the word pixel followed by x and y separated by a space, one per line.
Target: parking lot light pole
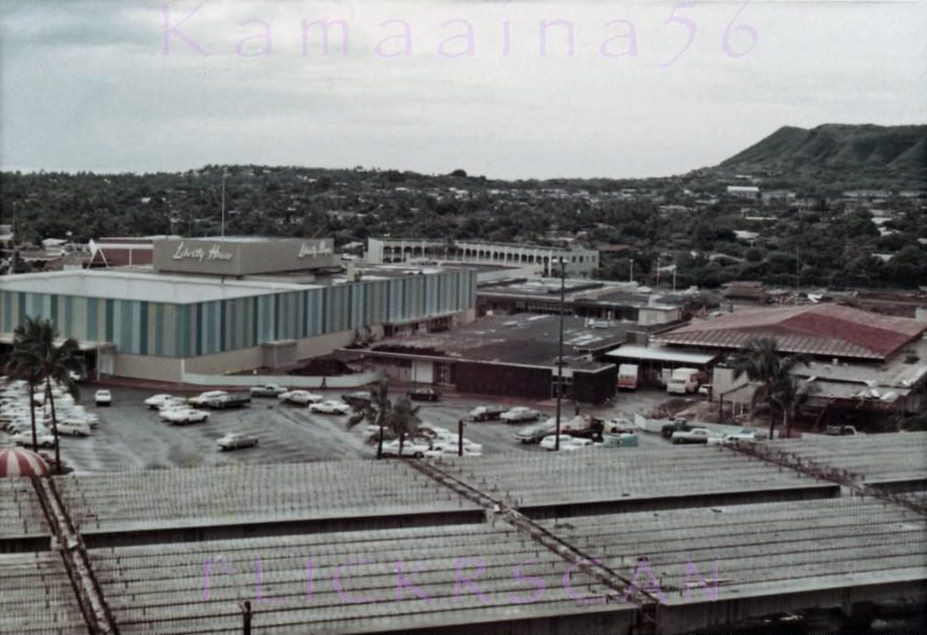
pixel 245 617
pixel 560 353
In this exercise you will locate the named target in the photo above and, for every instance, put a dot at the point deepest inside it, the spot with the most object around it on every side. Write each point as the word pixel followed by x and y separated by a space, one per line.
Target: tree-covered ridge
pixel 814 236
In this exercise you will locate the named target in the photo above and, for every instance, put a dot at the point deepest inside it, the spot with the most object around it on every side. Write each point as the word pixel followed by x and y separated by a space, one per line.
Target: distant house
pixel 748 192
pixel 750 290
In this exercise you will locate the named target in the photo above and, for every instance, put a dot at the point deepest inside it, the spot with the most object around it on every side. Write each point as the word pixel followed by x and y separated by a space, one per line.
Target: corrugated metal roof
pixel 822 329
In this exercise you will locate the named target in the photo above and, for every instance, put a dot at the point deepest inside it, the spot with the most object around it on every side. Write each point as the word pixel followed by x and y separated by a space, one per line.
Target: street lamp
pixel 560 353
pixel 222 225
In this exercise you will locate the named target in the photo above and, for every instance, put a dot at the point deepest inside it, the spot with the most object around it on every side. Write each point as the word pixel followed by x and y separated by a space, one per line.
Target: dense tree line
pixel 826 245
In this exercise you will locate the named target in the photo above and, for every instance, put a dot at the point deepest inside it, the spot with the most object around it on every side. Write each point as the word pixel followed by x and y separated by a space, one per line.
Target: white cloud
pixel 86 85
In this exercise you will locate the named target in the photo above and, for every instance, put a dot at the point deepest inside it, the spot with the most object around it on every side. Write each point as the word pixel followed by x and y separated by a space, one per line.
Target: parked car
pixel 183 416
pixel 25 439
pixel 229 400
pixel 677 425
pixel 202 398
pixel 103 398
pixel 156 401
pixel 330 407
pixel 841 431
pixel 519 414
pixel 73 429
pixel 174 403
pixel 423 394
pixel 620 440
pixel 619 425
pixel 357 398
pixel 695 435
pixel 236 441
pixel 487 413
pixel 451 445
pixel 534 433
pixel 550 441
pixel 435 453
pixel 299 397
pixel 567 442
pixel 744 435
pixel 410 447
pixel 267 390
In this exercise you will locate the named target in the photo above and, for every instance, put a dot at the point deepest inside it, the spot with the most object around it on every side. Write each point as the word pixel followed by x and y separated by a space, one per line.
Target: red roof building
pixel 828 330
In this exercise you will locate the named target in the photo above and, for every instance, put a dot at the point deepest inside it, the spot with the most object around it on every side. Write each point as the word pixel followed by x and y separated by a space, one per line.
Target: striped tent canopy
pixel 16 462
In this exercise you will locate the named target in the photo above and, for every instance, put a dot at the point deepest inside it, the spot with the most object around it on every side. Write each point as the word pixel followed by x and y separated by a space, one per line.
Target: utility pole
pixel 222 227
pixel 797 269
pixel 460 427
pixel 245 617
pixel 631 277
pixel 560 353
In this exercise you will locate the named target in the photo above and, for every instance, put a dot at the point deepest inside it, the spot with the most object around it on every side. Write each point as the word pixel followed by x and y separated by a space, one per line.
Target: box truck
pixel 627 377
pixel 684 381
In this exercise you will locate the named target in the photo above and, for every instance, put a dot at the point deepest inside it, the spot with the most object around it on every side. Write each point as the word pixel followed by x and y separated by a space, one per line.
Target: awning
pixel 660 354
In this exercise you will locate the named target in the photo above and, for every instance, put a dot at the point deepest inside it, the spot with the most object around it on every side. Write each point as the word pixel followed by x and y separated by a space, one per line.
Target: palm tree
pixel 403 421
pixel 375 412
pixel 788 396
pixel 23 364
pixel 761 362
pixel 36 355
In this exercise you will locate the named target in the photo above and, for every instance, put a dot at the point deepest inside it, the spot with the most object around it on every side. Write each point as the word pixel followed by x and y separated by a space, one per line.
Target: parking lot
pixel 131 436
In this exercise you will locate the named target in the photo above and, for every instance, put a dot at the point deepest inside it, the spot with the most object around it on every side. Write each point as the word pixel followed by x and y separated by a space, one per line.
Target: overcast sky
pixel 146 86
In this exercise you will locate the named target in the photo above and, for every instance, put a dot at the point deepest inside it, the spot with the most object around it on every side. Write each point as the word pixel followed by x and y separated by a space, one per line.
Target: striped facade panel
pixel 188 330
pixel 315 312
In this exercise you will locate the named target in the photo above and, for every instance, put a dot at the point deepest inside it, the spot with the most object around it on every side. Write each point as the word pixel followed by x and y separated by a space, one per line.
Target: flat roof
pixel 661 354
pixel 605 477
pixel 121 284
pixel 233 495
pixel 525 338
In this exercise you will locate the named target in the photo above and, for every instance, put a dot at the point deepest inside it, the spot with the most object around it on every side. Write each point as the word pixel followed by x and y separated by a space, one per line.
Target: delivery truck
pixel 627 377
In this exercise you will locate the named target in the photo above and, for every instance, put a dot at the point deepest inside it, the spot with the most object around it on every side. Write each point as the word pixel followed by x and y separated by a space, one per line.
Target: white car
pixel 410 447
pixel 300 397
pixel 435 453
pixel 205 397
pixel 22 427
pixel 567 442
pixel 518 414
pixel 156 401
pixel 550 442
pixel 695 435
pixel 103 398
pixel 744 435
pixel 182 416
pixel 25 439
pixel 330 407
pixel 173 403
pixel 73 429
pixel 236 440
pixel 267 390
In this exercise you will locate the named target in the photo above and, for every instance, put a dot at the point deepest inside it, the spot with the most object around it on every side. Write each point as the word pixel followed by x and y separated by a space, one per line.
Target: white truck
pixel 627 377
pixel 683 381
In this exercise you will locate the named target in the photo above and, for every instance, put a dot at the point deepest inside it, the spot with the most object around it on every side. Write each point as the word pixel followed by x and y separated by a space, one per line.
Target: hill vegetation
pixel 814 236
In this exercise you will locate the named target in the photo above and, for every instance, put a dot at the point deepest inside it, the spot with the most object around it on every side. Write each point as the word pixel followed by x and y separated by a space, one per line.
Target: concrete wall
pixel 147 367
pixel 355 380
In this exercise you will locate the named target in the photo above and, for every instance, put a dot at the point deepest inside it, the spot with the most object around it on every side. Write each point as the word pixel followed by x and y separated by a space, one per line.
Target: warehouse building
pixel 860 363
pixel 214 306
pixel 512 356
